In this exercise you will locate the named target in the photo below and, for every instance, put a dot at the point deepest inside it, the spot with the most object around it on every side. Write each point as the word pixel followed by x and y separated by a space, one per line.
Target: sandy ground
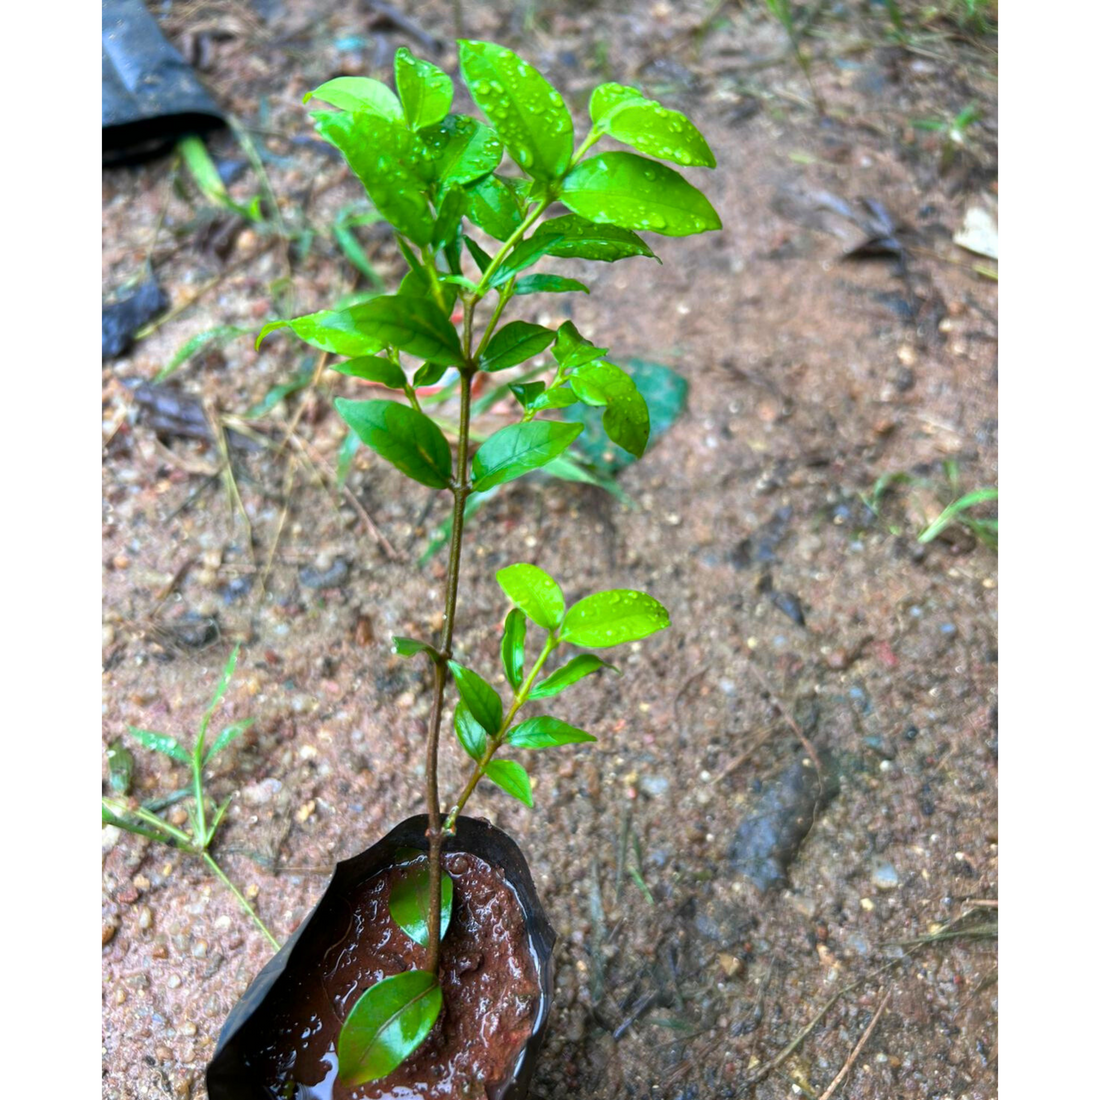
pixel 811 377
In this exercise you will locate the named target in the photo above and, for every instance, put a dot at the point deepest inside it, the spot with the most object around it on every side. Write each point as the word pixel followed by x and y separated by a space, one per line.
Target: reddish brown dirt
pixel 490 990
pixel 811 378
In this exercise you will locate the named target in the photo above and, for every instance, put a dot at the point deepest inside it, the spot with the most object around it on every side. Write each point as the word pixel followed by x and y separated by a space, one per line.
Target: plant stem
pixel 505 248
pixel 461 490
pixel 213 865
pixel 496 741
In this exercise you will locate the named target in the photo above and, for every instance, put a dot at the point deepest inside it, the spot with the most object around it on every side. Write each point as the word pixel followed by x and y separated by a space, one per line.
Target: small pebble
pixel 174 981
pixel 885 875
pixel 145 918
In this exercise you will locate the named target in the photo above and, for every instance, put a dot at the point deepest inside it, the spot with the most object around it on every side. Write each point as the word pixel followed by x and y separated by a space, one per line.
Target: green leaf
pixel 161 742
pixel 451 208
pixel 389 162
pixel 546 733
pixel 547 284
pixel 524 254
pixel 629 117
pixel 373 368
pixel 557 397
pixel 415 325
pixel 613 617
pixel 607 97
pixel 410 901
pixel 493 207
pixel 226 738
pixel 402 436
pixel 417 284
pixel 571 349
pixel 526 111
pixel 344 459
pixel 333 331
pixel 481 257
pixel 120 766
pixel 526 392
pixel 428 374
pixel 470 733
pixel 534 592
pixel 484 703
pixel 514 344
pixel 460 149
pixel 634 193
pixel 511 646
pixel 510 777
pixel 665 394
pixel 355 93
pixel 386 1025
pixel 426 92
pixel 578 238
pixel 512 451
pixel 410 647
pixel 579 667
pixel 627 418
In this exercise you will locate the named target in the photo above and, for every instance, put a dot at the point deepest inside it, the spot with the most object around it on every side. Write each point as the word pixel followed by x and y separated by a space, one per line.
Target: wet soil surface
pixel 805 613
pixel 490 989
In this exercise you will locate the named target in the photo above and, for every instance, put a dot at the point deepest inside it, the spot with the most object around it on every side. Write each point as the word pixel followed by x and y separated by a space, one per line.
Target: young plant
pixel 429 172
pixel 204 818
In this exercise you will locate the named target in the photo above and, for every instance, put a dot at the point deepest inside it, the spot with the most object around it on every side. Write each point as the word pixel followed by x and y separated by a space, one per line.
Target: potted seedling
pixel 425 969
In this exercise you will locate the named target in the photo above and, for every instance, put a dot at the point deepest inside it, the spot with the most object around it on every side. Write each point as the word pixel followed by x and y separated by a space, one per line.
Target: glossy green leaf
pixel 428 374
pixel 451 209
pixel 527 112
pixel 526 392
pixel 579 238
pixel 373 368
pixel 547 284
pixel 410 901
pixel 545 732
pixel 330 330
pixel 665 394
pixel 515 343
pixel 579 667
pixel 484 703
pixel 511 777
pixel 355 93
pixel 534 592
pixel 512 451
pixel 524 254
pixel 389 161
pixel 161 742
pixel 627 418
pixel 632 192
pixel 611 618
pixel 402 436
pixel 470 732
pixel 417 284
pixel 481 257
pixel 415 325
pixel 493 207
pixel 460 149
pixel 607 97
pixel 226 738
pixel 558 397
pixel 410 647
pixel 571 349
pixel 348 449
pixel 426 91
pixel 511 646
pixel 387 1024
pixel 629 117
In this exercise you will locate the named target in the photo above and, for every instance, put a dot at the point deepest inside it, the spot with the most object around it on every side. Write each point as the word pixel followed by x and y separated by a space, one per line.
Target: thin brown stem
pixel 461 491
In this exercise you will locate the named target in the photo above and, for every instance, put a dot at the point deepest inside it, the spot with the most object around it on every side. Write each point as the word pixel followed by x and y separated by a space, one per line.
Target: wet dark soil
pixel 490 990
pixel 802 603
